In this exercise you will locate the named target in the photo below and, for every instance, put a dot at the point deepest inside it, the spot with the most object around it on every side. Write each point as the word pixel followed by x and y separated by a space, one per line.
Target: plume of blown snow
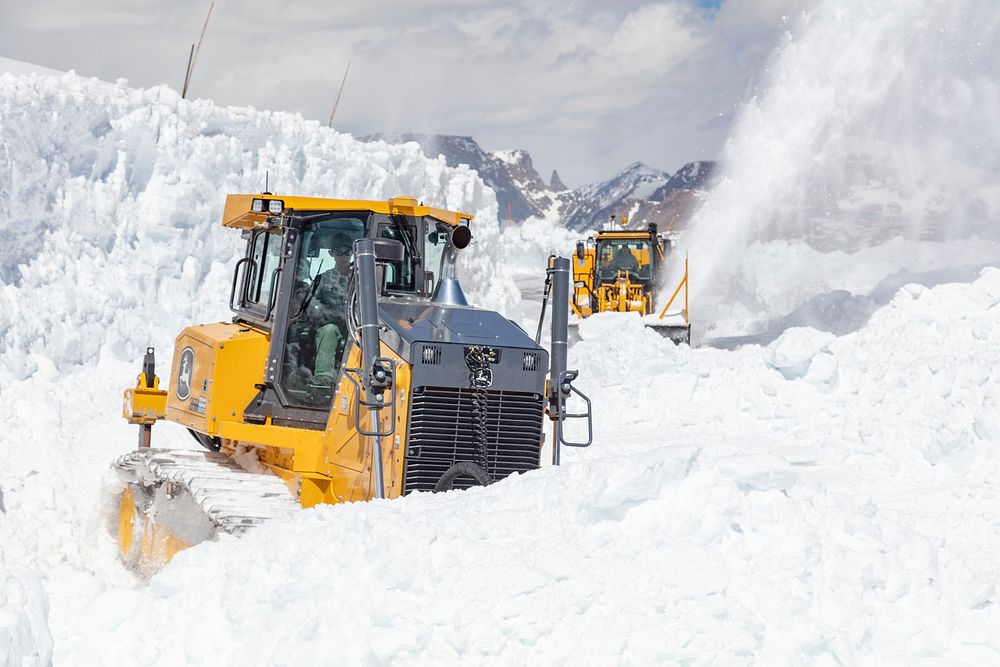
pixel 875 121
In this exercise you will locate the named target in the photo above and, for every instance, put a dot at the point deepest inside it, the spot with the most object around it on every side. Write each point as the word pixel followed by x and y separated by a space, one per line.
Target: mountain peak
pixel 696 175
pixel 555 183
pixel 636 181
pixel 521 192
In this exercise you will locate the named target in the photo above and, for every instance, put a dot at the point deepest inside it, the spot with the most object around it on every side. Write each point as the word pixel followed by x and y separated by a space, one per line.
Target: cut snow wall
pixel 111 201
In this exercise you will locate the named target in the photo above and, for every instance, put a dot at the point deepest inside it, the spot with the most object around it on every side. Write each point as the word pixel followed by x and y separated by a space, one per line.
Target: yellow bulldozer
pixel 353 368
pixel 621 270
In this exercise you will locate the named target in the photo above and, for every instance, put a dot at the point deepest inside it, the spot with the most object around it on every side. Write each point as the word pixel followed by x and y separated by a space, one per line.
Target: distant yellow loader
pixel 621 271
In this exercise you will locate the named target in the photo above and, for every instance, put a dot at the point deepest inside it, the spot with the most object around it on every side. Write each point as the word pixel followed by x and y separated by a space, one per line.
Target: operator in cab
pixel 320 305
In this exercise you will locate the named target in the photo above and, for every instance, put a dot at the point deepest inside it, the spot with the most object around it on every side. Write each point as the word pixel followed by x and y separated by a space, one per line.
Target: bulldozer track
pixel 234 500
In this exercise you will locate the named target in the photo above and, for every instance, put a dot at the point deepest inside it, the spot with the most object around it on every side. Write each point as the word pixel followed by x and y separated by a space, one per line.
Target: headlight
pixel 273 206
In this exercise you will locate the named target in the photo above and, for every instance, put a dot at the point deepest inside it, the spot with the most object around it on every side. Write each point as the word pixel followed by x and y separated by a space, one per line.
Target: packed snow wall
pixel 111 200
pixel 867 159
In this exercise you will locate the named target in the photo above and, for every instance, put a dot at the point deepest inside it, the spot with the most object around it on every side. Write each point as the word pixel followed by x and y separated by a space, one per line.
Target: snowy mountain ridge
pixel 634 181
pixel 649 194
pixel 697 175
pixel 592 205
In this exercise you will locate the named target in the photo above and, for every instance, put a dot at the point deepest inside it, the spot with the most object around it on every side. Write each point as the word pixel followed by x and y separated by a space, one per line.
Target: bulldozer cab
pixel 294 282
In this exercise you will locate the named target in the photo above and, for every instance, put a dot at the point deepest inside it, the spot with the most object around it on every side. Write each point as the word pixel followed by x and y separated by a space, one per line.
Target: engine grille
pixel 443 432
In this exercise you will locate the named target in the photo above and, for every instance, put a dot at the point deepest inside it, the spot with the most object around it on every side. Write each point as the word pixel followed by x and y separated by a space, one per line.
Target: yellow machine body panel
pixel 241 213
pixel 333 465
pixel 214 370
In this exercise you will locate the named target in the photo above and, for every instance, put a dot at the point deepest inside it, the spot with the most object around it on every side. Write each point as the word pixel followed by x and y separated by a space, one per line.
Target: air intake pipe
pixel 376 374
pixel 560 379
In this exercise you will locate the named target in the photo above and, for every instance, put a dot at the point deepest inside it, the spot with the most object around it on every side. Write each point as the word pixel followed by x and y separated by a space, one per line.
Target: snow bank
pixel 24 633
pixel 111 198
pixel 793 353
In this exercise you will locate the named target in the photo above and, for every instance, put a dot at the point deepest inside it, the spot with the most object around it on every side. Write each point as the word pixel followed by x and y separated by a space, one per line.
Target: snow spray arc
pixel 876 121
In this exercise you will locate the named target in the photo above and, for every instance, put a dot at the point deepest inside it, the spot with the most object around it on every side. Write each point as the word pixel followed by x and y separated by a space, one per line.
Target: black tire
pixel 463 469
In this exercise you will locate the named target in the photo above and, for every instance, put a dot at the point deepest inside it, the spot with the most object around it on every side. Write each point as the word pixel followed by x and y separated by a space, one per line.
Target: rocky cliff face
pixel 643 193
pixel 692 176
pixel 520 191
pixel 528 182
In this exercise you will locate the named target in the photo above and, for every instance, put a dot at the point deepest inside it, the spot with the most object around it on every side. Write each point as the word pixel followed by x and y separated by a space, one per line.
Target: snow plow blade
pixel 173 499
pixel 678 333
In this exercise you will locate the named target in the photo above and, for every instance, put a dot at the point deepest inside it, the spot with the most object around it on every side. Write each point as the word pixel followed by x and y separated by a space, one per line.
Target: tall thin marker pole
pixel 197 50
pixel 341 90
pixel 187 73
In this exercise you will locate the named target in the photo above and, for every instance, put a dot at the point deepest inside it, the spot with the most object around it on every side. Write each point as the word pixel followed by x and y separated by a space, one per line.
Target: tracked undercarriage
pixel 176 498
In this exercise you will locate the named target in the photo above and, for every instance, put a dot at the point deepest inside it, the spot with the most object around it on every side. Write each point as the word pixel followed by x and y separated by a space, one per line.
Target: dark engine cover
pixel 477 387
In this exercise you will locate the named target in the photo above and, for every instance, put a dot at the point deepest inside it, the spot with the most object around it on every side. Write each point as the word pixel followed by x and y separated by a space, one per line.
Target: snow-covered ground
pixel 818 499
pixel 821 500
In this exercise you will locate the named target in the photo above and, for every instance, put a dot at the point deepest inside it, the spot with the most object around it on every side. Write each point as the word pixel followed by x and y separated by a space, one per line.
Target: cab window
pixel 624 256
pixel 256 277
pixel 400 276
pixel 264 259
pixel 317 315
pixel 435 241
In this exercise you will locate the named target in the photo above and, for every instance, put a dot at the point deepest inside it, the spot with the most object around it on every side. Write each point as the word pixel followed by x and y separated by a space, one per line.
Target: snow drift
pixel 111 197
pixel 729 512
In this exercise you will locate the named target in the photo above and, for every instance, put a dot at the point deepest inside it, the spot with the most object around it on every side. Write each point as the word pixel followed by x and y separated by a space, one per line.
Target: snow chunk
pixel 24 632
pixel 793 352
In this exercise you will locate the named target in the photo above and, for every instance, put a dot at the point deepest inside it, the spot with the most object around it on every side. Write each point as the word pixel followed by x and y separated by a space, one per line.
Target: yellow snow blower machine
pixel 620 270
pixel 353 369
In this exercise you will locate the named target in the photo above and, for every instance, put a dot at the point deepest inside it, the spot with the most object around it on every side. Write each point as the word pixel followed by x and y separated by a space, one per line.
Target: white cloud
pixel 586 85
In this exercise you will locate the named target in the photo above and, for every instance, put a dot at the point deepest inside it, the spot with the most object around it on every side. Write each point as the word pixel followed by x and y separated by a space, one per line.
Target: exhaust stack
pixel 449 291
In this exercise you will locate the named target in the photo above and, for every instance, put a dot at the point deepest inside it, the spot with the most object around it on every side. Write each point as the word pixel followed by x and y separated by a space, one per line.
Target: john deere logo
pixel 478 358
pixel 184 373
